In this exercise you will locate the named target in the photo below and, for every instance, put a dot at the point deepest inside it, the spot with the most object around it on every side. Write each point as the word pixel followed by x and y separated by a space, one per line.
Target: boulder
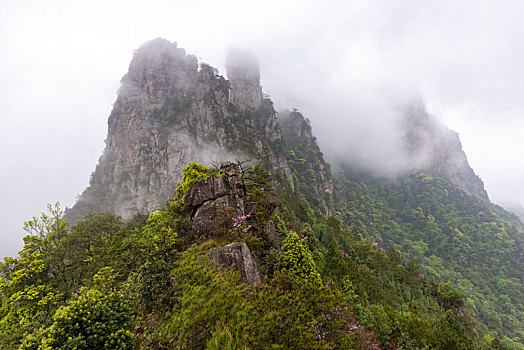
pixel 214 214
pixel 207 189
pixel 238 256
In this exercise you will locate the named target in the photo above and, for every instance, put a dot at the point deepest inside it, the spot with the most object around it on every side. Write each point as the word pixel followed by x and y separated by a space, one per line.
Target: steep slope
pixel 455 237
pixel 440 215
pixel 168 113
pixel 311 173
pixel 438 149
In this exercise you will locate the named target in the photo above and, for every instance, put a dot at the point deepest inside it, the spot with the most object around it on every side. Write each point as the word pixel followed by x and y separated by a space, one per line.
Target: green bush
pixel 296 262
pixel 193 173
pixel 92 320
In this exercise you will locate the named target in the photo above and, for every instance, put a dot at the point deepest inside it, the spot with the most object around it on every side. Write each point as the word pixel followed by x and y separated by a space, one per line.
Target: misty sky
pixel 342 63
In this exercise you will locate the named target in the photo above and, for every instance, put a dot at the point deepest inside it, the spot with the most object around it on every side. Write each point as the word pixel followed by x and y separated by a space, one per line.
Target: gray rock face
pixel 306 160
pixel 209 210
pixel 169 113
pixel 237 256
pixel 205 190
pixel 217 199
pixel 440 150
pixel 272 233
pixel 244 77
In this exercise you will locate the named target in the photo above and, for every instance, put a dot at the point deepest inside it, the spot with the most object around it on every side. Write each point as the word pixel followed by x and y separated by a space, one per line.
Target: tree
pixel 31 287
pixel 88 247
pixel 296 262
pixel 92 320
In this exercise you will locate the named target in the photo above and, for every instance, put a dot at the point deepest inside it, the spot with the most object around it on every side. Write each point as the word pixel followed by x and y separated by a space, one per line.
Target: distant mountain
pixel 439 149
pixel 517 209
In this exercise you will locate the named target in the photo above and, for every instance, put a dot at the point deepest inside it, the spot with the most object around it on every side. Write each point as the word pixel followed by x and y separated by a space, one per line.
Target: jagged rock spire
pixel 244 77
pixel 168 113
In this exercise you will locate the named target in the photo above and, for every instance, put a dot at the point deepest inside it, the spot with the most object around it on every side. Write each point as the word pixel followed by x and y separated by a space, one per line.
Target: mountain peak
pixel 244 77
pixel 439 149
pixel 169 113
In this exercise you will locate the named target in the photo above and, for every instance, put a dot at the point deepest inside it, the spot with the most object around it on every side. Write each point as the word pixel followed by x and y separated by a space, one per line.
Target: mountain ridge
pixel 170 113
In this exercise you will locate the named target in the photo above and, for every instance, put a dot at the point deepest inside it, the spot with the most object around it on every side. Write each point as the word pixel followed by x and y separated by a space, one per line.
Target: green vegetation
pixel 146 284
pixel 310 172
pixel 454 237
pixel 93 320
pixel 296 263
pixel 193 173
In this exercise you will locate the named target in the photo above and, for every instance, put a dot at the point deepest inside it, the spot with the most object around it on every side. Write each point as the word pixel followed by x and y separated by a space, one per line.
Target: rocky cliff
pixel 215 202
pixel 311 173
pixel 439 150
pixel 169 112
pixel 244 76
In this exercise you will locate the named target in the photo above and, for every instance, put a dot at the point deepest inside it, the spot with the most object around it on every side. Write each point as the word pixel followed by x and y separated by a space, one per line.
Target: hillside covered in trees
pixel 148 283
pixel 214 222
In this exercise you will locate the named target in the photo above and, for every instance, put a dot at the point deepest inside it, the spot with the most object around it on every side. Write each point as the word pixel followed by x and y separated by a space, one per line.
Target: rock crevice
pixel 215 200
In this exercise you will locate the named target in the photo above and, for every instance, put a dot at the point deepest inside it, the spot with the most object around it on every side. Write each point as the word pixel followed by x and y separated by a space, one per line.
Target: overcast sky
pixel 342 63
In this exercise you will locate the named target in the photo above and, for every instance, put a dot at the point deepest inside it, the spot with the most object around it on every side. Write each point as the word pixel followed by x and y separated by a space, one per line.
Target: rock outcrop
pixel 244 78
pixel 169 113
pixel 216 199
pixel 306 160
pixel 238 256
pixel 439 150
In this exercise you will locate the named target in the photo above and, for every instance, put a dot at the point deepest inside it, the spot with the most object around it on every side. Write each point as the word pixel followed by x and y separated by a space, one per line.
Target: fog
pixel 346 65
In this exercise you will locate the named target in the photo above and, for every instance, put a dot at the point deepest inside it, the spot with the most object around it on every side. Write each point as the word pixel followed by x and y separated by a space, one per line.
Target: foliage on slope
pixel 152 287
pixel 454 236
pixel 311 174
